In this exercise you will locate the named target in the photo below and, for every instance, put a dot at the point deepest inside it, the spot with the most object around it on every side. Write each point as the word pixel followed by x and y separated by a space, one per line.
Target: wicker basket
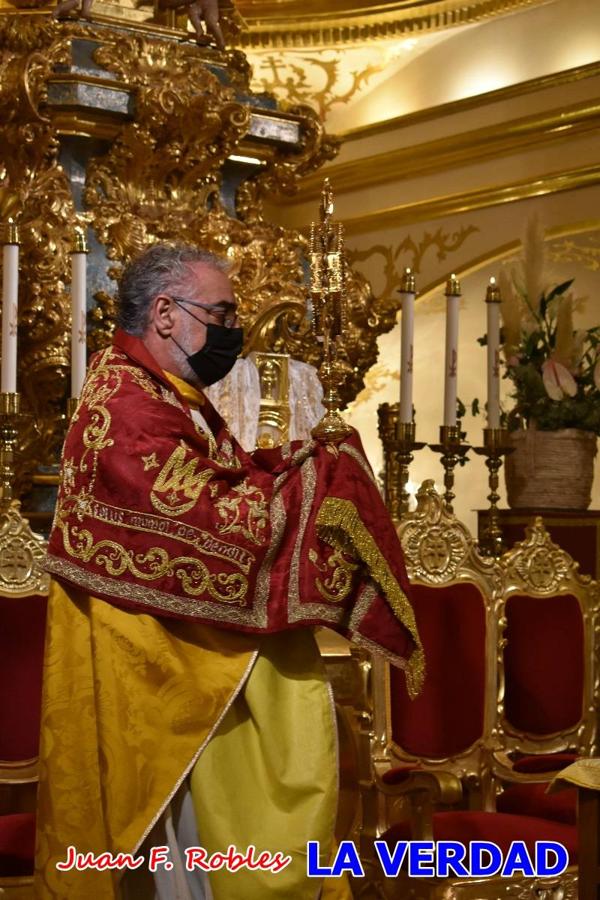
pixel 550 469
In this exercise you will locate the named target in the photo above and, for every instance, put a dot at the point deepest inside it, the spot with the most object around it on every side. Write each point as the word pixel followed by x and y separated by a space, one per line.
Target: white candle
pixel 407 293
pixel 450 375
pixel 78 314
pixel 10 309
pixel 493 354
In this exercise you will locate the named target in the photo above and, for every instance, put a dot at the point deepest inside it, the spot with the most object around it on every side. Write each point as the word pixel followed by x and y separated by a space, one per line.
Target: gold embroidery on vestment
pixel 246 513
pixel 339 583
pixel 150 462
pixel 178 477
pixel 146 595
pixel 337 523
pixel 153 565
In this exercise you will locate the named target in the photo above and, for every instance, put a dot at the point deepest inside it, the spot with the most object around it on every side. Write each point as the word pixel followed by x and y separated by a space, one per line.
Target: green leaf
pixel 559 289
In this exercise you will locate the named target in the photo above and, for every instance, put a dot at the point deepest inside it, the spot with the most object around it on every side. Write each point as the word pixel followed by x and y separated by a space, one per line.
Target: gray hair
pixel 160 269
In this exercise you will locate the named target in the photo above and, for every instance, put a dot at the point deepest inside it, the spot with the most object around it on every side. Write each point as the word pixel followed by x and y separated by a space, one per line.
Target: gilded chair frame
pixel 439 552
pixel 537 567
pixel 441 782
pixel 22 553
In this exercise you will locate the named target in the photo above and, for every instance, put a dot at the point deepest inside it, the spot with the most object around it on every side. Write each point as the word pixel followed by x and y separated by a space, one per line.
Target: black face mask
pixel 222 347
pixel 217 357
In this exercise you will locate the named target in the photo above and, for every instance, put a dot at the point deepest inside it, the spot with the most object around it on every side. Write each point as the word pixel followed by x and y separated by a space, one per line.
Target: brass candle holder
pixel 11 420
pixel 453 452
pixel 398 439
pixel 72 403
pixel 495 446
pixel 329 313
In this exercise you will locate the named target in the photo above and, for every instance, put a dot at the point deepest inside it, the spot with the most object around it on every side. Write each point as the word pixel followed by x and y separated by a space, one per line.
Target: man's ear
pixel 161 315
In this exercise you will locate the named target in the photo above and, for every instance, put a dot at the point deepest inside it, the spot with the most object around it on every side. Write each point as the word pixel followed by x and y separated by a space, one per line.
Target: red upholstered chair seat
pixel 17 844
pixel 22 630
pixel 440 723
pixel 532 800
pixel 501 828
pixel 544 762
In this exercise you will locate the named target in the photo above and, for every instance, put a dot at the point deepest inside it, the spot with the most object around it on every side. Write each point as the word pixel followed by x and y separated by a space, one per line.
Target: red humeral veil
pixel 159 514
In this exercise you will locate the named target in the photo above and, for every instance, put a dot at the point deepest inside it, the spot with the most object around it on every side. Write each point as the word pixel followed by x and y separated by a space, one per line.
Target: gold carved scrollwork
pixel 161 180
pixel 35 192
pixel 540 564
pixel 22 554
pixel 161 177
pixel 438 548
pixel 435 552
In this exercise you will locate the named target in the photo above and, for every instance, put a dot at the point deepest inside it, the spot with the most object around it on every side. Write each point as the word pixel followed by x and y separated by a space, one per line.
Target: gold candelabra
pixel 453 452
pixel 398 439
pixel 329 312
pixel 495 446
pixel 11 420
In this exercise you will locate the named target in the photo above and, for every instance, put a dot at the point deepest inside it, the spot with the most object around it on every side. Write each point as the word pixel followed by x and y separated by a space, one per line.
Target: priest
pixel 185 704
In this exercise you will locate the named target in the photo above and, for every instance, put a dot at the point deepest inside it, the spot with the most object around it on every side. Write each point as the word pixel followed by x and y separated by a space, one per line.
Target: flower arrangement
pixel 554 369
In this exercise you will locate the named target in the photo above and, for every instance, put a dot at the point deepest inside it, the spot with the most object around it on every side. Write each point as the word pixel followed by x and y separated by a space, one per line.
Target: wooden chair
pixel 23 597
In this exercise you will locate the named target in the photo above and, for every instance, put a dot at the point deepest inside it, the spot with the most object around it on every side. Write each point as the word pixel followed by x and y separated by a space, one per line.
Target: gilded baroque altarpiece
pixel 127 128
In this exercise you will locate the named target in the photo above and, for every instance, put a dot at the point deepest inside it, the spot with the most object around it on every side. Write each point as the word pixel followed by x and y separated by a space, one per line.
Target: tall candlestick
pixel 10 308
pixel 78 312
pixel 407 293
pixel 450 377
pixel 492 300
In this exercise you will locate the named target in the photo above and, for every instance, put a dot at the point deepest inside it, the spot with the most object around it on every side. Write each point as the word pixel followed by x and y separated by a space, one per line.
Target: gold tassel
pixel 339 524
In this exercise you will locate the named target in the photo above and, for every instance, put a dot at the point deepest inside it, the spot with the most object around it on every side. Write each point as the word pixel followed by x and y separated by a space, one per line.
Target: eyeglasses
pixel 226 317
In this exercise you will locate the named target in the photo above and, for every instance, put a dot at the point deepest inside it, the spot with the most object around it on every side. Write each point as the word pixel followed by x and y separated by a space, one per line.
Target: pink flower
pixel 558 381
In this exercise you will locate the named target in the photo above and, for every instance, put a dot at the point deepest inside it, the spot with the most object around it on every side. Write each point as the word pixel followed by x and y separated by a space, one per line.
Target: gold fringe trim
pixel 339 524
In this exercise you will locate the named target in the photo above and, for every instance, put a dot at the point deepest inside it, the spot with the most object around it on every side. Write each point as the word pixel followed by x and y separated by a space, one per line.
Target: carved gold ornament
pixel 438 548
pixel 35 192
pixel 539 563
pixel 22 555
pixel 158 175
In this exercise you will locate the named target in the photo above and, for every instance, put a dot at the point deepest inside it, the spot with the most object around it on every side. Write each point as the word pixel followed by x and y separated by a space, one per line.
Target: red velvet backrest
pixel 22 630
pixel 543 663
pixel 448 716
